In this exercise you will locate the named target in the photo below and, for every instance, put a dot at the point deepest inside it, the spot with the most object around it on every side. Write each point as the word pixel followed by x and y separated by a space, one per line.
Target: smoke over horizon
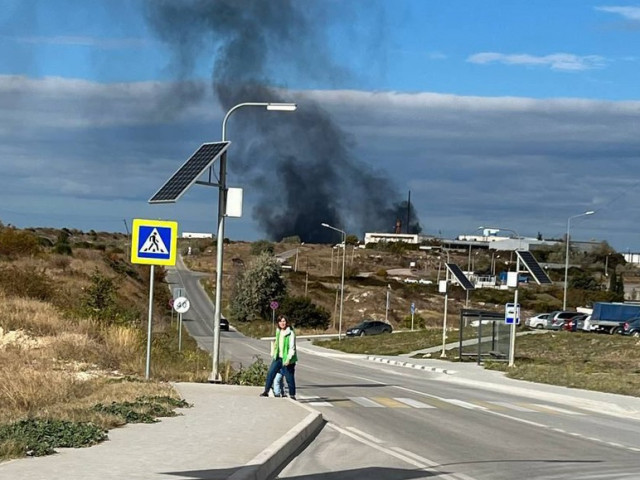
pixel 301 163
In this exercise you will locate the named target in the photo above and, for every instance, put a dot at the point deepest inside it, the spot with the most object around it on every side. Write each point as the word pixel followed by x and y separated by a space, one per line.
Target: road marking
pixel 512 406
pixel 390 402
pixel 408 457
pixel 463 404
pixel 365 402
pixel 365 435
pixel 315 401
pixel 414 403
pixel 555 409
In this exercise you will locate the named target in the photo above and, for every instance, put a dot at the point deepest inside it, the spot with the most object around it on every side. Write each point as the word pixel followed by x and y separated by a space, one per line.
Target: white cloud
pixel 555 61
pixel 630 13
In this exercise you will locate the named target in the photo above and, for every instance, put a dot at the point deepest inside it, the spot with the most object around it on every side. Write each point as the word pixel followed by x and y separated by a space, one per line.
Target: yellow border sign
pixel 154 242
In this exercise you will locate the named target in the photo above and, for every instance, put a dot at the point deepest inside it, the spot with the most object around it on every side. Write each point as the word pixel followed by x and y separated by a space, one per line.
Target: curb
pixel 411 365
pixel 272 458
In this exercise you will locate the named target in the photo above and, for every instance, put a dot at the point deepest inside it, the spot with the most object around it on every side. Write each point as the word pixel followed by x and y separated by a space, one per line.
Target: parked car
pixel 557 319
pixel 631 327
pixel 539 321
pixel 224 324
pixel 576 323
pixel 369 327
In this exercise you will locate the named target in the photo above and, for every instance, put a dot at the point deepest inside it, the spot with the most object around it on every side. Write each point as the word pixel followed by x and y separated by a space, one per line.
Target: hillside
pixel 315 270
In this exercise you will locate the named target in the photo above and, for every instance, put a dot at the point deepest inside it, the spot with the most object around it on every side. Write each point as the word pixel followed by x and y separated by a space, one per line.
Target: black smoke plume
pixel 300 163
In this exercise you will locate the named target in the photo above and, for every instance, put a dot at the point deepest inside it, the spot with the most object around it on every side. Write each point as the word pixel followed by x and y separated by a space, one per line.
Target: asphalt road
pixel 385 422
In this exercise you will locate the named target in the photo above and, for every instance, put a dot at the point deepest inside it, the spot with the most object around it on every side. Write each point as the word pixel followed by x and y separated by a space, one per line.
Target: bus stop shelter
pixel 492 340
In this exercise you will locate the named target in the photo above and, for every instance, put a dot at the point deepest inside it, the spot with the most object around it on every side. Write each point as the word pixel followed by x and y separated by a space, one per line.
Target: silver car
pixel 539 321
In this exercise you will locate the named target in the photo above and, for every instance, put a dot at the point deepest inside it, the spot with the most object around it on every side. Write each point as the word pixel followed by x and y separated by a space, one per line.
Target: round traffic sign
pixel 274 305
pixel 181 305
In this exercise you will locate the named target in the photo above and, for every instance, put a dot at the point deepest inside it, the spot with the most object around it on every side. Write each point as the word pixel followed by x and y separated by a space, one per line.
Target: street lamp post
pixel 344 246
pixel 566 257
pixel 222 207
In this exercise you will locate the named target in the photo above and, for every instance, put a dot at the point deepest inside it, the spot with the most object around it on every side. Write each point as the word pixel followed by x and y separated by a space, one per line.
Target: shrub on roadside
pixel 26 282
pixel 15 243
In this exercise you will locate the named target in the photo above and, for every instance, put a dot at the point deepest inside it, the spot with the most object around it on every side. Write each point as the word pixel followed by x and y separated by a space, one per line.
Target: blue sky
pixel 518 114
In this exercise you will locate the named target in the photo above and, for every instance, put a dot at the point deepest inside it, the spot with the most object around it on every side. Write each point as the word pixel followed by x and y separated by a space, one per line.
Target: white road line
pixel 365 402
pixel 413 403
pixel 365 435
pixel 400 454
pixel 513 406
pixel 315 401
pixel 463 404
pixel 556 409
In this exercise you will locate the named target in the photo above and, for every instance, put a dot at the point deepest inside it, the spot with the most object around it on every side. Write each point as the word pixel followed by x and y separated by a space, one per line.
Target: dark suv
pixel 631 327
pixel 369 327
pixel 558 318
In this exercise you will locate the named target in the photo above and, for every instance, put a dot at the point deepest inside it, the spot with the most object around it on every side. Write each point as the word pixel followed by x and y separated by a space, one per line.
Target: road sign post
pixel 413 311
pixel 180 305
pixel 154 242
pixel 274 306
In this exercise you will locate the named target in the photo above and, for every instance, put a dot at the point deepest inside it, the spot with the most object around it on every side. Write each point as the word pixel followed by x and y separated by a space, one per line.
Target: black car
pixel 631 327
pixel 369 327
pixel 224 324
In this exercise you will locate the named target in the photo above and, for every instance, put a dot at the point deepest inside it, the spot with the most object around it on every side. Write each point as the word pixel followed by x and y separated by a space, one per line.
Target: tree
pixel 304 313
pixel 256 287
pixel 352 239
pixel 262 246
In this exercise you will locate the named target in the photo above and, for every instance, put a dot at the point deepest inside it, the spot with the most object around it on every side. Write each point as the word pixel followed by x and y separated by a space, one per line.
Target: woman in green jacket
pixel 284 358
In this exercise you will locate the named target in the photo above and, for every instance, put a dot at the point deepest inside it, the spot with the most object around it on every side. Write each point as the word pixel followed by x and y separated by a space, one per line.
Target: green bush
pixel 143 410
pixel 38 437
pixel 255 374
pixel 303 313
pixel 262 246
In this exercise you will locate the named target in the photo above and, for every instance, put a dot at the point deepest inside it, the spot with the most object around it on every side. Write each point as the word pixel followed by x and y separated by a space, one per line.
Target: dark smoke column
pixel 302 168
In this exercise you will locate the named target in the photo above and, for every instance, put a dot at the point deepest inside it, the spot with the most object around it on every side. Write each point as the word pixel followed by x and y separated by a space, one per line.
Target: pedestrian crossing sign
pixel 154 242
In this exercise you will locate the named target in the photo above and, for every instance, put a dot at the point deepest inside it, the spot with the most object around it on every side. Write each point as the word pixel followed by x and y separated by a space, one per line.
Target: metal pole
pixel 566 267
pixel 147 370
pixel 222 207
pixel 444 320
pixel 344 255
pixel 512 338
pixel 332 249
pixel 179 332
pixel 386 311
pixel 566 257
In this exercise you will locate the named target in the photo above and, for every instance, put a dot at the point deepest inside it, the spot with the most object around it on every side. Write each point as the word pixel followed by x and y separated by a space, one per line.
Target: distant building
pixel 196 235
pixel 391 237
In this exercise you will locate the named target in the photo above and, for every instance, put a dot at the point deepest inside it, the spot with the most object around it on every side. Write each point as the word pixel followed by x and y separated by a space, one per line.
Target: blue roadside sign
pixel 512 314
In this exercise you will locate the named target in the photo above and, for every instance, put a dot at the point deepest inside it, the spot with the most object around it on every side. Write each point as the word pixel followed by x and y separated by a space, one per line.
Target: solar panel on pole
pixel 189 172
pixel 533 267
pixel 460 276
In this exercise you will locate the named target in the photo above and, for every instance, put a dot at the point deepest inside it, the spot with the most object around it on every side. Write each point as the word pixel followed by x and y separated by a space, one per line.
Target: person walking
pixel 284 358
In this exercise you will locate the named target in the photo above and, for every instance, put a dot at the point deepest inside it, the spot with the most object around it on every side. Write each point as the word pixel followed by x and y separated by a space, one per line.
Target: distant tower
pixel 398 226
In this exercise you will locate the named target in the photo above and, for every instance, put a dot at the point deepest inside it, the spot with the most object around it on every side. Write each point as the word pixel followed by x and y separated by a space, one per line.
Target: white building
pixel 391 237
pixel 196 235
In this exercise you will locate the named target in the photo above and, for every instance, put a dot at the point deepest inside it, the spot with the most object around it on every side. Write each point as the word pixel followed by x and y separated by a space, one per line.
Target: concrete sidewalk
pixel 229 433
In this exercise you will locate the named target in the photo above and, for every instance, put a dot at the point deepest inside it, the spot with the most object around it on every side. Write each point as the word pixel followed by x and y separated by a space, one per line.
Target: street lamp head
pixel 325 225
pixel 282 107
pixel 590 212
